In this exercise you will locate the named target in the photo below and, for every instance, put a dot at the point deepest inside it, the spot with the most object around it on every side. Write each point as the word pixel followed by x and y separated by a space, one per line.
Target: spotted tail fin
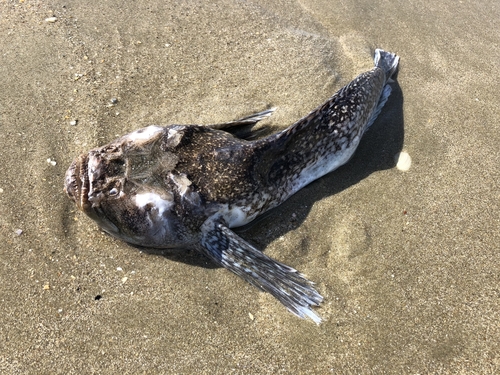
pixel 381 102
pixel 387 61
pixel 287 285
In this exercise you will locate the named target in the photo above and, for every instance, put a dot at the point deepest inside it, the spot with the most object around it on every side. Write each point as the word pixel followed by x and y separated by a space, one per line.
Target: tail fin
pixel 387 61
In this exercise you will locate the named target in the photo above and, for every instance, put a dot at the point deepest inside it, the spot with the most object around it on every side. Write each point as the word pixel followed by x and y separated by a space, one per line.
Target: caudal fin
pixel 387 61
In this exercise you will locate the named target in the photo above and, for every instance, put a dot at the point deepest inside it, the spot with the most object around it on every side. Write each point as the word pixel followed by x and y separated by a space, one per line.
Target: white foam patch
pixel 144 133
pixel 160 204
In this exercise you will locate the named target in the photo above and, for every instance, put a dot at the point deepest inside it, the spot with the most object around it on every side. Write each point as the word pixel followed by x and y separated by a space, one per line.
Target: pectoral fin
pixel 290 287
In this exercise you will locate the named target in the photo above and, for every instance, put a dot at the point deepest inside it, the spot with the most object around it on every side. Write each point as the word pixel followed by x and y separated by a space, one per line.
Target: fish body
pixel 186 186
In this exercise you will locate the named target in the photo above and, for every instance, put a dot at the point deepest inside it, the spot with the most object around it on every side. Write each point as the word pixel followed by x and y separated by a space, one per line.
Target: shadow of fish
pixel 185 186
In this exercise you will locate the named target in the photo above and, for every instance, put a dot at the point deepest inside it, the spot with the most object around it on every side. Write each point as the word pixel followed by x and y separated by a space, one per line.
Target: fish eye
pixel 113 192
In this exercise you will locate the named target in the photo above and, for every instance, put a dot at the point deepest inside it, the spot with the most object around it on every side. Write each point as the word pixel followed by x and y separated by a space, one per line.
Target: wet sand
pixel 408 262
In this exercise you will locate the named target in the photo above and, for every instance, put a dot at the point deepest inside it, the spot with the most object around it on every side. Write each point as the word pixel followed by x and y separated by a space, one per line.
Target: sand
pixel 408 261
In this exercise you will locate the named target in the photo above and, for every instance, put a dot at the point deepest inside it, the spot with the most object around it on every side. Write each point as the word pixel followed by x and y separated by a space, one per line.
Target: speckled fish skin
pixel 185 186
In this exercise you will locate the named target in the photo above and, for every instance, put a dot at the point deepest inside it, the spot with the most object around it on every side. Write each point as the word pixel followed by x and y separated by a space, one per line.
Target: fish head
pixel 120 188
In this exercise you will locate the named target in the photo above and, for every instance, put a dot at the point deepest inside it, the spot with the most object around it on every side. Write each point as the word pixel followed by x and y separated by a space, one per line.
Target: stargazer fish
pixel 186 186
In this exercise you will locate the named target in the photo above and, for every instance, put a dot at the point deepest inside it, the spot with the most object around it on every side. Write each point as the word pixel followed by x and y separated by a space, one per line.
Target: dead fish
pixel 186 186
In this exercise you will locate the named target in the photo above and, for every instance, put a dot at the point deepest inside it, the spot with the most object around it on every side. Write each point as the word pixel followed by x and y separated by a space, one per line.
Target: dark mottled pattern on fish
pixel 220 166
pixel 185 186
pixel 226 169
pixel 329 129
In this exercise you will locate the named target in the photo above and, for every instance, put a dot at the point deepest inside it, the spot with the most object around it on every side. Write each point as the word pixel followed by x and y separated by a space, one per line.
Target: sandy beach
pixel 408 262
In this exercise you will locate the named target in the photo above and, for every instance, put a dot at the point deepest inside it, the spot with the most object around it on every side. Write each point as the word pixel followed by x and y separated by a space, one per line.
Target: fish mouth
pixel 76 183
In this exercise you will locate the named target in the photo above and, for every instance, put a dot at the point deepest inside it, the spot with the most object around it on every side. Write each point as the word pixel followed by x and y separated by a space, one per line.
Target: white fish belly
pixel 323 166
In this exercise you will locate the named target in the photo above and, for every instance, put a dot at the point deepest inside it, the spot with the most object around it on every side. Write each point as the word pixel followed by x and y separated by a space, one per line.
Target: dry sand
pixel 408 262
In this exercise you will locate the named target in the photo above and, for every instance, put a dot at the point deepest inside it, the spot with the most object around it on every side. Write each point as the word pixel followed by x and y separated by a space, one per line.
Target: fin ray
pixel 387 61
pixel 242 128
pixel 287 285
pixel 248 120
pixel 381 102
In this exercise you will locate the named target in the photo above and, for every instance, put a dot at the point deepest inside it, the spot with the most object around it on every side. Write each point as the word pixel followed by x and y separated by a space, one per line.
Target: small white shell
pixel 403 161
pixel 51 19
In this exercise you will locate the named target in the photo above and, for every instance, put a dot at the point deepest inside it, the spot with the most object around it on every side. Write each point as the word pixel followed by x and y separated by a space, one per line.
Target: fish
pixel 187 186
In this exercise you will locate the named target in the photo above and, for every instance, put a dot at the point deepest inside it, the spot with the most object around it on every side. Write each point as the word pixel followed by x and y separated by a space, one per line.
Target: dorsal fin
pixel 248 120
pixel 242 128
